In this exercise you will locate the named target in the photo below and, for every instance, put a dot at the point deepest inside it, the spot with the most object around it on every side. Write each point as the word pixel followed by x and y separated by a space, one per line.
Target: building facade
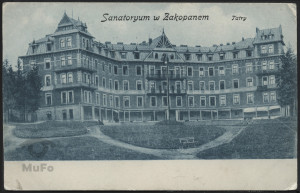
pixel 84 79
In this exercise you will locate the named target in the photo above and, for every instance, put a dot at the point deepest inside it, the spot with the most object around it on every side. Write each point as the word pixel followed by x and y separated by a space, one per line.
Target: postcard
pixel 149 96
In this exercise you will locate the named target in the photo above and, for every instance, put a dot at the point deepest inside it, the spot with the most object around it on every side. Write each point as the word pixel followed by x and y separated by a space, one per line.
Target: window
pixel 63 79
pixel 190 71
pixel 103 67
pixel 249 68
pixel 235 69
pixel 264 65
pixel 64 114
pixel 70 77
pixel 178 101
pixel 265 97
pixel 235 83
pixel 117 101
pixel 139 101
pixel 48 47
pixel 123 55
pixel 264 80
pixel 125 70
pixel 115 70
pixel 47 64
pixel 70 97
pixel 199 57
pixel 272 80
pixel 249 82
pixel 111 101
pixel 138 85
pixel 96 64
pixel 87 97
pixel 209 58
pixel 271 48
pixel 263 49
pixel 222 56
pixel 151 69
pixel 136 55
pixel 69 60
pixel 116 85
pixel 211 85
pixel 71 114
pixel 187 56
pixel 202 85
pixel 103 82
pixel 221 70
pixel 223 100
pixel 83 42
pixel 235 55
pixel 201 71
pixel 110 68
pixel 112 54
pixel 97 81
pixel 178 85
pixel 164 101
pixel 190 85
pixel 125 85
pixel 153 101
pixel 210 71
pixel 48 98
pixel 273 96
pixel 271 65
pixel 47 80
pixel 69 42
pixel 138 70
pixel 212 101
pixel 156 56
pixel 236 99
pixel 250 98
pixel 222 84
pixel 110 84
pixel 63 61
pixel 62 43
pixel 104 100
pixel 202 101
pixel 126 101
pixel 191 101
pixel 249 53
pixel 64 97
pixel 97 98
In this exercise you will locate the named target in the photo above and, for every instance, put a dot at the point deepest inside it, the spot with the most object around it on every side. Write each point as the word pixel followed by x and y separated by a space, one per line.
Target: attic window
pixel 112 54
pixel 210 58
pixel 222 56
pixel 199 57
pixel 123 55
pixel 235 55
pixel 187 56
pixel 172 57
pixel 136 55
pixel 48 47
pixel 249 53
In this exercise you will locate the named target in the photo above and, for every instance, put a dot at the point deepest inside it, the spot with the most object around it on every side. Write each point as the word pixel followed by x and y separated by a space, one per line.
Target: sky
pixel 24 22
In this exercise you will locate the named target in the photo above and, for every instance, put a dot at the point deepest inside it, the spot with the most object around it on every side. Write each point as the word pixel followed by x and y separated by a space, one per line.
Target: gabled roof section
pixel 161 42
pixel 65 20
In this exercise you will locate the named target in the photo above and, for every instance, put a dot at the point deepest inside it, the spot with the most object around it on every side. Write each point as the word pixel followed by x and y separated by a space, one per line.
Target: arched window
pixel 70 77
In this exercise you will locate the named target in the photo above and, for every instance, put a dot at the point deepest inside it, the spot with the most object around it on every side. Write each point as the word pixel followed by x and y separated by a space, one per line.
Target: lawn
pixel 73 148
pixel 162 136
pixel 52 129
pixel 266 139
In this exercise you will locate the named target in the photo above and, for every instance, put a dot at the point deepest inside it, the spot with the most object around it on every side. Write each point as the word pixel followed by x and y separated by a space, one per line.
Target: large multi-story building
pixel 84 79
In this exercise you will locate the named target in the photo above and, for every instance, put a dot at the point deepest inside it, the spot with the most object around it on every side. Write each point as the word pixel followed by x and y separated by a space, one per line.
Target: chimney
pixel 227 43
pixel 233 43
pixel 150 41
pixel 257 29
pixel 243 39
pixel 221 44
pixel 215 45
pixel 120 43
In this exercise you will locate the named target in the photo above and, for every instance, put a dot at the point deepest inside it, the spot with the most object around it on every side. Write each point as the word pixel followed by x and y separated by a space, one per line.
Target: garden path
pixel 190 153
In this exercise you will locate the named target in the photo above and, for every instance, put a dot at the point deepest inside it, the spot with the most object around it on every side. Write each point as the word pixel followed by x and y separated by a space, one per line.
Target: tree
pixel 32 88
pixel 287 81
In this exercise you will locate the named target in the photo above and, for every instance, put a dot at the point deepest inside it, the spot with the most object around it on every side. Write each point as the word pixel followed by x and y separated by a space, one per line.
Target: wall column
pixel 142 115
pixel 106 114
pixel 93 112
pixel 100 118
pixel 211 114
pixel 200 115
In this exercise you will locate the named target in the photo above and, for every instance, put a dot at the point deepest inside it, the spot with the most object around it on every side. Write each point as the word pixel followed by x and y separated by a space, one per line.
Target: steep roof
pixel 262 36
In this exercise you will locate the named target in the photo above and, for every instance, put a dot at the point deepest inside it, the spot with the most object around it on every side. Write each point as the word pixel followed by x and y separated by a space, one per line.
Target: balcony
pixel 164 92
pixel 74 66
pixel 160 76
pixel 267 87
pixel 75 84
pixel 266 72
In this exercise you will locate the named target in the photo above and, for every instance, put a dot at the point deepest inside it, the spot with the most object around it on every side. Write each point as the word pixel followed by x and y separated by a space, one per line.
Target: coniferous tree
pixel 287 81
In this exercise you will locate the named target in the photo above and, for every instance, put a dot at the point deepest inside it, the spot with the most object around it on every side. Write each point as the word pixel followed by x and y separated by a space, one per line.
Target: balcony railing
pixel 75 84
pixel 159 76
pixel 266 87
pixel 74 66
pixel 266 72
pixel 164 91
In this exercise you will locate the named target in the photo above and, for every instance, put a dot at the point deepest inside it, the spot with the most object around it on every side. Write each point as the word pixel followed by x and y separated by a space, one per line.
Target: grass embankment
pixel 73 148
pixel 52 129
pixel 162 136
pixel 266 139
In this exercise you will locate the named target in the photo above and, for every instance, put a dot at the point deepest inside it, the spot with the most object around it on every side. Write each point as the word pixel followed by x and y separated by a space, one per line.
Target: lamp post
pixel 165 59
